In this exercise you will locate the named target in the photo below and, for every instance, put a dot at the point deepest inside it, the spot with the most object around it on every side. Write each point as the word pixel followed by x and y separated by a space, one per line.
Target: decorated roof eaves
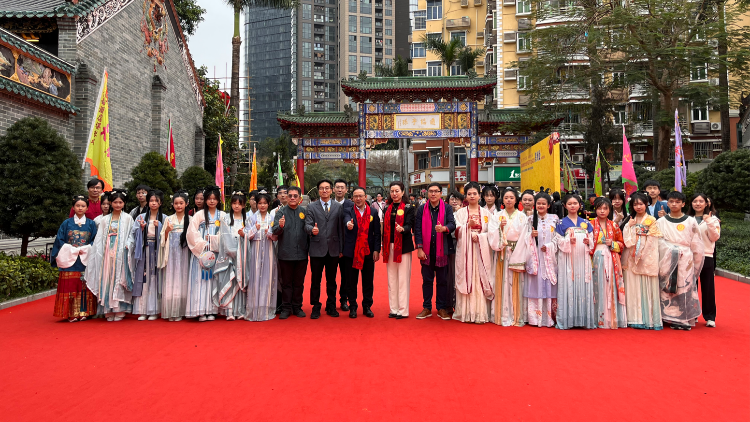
pixel 36 9
pixel 418 82
pixel 176 20
pixel 29 48
pixel 338 118
pixel 419 88
pixel 37 96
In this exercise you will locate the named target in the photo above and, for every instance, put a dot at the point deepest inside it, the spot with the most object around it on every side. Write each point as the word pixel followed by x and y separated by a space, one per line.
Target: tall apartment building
pixel 371 32
pixel 462 19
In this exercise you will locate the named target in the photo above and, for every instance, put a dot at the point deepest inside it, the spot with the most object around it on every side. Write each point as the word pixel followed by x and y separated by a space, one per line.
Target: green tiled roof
pixel 318 117
pixel 501 115
pixel 35 51
pixel 47 8
pixel 31 93
pixel 418 82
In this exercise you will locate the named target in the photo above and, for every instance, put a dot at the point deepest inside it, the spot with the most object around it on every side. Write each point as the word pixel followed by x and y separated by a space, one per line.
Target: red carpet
pixel 370 369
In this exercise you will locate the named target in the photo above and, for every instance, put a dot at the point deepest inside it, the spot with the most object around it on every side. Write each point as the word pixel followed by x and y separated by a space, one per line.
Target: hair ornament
pixel 263 192
pixel 238 192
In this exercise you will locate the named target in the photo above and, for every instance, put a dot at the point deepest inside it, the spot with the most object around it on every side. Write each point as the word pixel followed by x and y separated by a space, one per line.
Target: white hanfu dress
pixel 200 281
pixel 260 268
pixel 575 289
pixel 474 288
pixel 236 306
pixel 107 272
pixel 509 305
pixel 175 260
pixel 640 263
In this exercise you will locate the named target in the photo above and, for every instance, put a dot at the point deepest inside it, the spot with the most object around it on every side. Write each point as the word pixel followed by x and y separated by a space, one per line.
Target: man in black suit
pixel 325 225
pixel 339 190
pixel 361 250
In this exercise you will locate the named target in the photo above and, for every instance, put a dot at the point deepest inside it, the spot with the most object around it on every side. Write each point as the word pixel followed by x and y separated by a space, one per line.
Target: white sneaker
pixel 202 318
pixel 178 319
pixel 710 323
pixel 153 317
pixel 142 318
pixel 210 317
pixel 110 318
pixel 230 318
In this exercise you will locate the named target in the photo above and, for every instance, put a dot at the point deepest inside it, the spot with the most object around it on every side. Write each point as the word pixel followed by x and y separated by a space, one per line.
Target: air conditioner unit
pixel 713 81
pixel 510 74
pixel 639 157
pixel 509 2
pixel 477 2
pixel 701 127
pixel 509 37
pixel 523 100
pixel 480 34
pixel 524 24
pixel 480 63
pixel 464 3
pixel 715 126
pixel 577 158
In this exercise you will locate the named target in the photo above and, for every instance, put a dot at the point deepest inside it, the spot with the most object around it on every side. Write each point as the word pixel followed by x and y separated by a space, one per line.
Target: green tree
pixel 195 177
pixel 190 15
pixel 467 59
pixel 40 175
pixel 448 52
pixel 313 174
pixel 399 68
pixel 268 164
pixel 157 173
pixel 216 121
pixel 726 180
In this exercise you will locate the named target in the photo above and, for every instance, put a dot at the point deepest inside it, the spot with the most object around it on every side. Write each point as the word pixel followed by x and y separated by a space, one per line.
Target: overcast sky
pixel 211 45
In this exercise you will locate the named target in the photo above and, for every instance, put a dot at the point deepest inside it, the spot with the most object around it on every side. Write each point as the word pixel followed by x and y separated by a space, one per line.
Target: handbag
pixel 207 258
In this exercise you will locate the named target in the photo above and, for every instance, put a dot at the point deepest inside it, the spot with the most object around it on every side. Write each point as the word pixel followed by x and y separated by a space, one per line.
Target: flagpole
pixel 93 120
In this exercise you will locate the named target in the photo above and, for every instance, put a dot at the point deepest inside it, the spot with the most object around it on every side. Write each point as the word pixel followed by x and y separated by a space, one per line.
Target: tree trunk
pixel 234 94
pixel 726 142
pixel 665 135
pixel 24 244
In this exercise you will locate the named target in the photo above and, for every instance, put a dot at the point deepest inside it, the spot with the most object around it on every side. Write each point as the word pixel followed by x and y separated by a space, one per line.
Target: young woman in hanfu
pixel 474 287
pixel 259 268
pixel 492 202
pixel 681 253
pixel 107 273
pixel 143 248
pixel 575 289
pixel 231 295
pixel 509 305
pixel 641 266
pixel 175 259
pixel 540 283
pixel 203 240
pixel 70 254
pixel 607 268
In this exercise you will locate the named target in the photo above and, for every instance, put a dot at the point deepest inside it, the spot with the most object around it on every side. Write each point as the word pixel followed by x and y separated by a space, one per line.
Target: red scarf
pixel 362 247
pixel 397 237
pixel 613 232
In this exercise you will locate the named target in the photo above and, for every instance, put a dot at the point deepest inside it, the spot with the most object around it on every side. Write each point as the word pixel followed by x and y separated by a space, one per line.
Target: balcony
pixel 638 90
pixel 644 128
pixel 378 5
pixel 570 92
pixel 463 22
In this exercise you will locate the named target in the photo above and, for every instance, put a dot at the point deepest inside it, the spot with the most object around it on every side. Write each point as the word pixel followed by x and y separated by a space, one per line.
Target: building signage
pixel 417 121
pixel 460 176
pixel 508 174
pixel 417 178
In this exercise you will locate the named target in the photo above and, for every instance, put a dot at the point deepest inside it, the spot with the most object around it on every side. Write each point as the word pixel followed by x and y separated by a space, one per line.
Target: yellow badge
pixel 370 218
pixel 680 227
pixel 584 225
pixel 301 216
pixel 271 223
pixel 551 229
pixel 217 223
pixel 400 212
pixel 486 219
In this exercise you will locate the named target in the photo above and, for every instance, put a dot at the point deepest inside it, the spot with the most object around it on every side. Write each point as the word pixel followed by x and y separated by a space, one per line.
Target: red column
pixel 362 172
pixel 474 170
pixel 301 174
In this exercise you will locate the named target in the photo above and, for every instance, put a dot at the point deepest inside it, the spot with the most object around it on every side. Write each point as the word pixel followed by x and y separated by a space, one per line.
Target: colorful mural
pixel 155 27
pixel 22 68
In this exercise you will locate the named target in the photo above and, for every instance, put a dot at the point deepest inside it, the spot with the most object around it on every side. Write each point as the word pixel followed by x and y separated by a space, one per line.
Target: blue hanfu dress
pixel 201 236
pixel 259 269
pixel 108 273
pixel 73 299
pixel 147 278
pixel 175 261
pixel 230 295
pixel 575 289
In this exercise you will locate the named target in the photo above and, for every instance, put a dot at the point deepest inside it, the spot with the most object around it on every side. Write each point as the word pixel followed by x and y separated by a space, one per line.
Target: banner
pixel 254 174
pixel 598 174
pixel 280 176
pixel 97 149
pixel 219 178
pixel 680 175
pixel 170 147
pixel 628 171
pixel 540 165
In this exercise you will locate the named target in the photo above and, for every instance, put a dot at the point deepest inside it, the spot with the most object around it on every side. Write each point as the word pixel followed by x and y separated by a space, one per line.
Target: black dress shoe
pixel 284 314
pixel 353 313
pixel 392 315
pixel 368 313
pixel 300 314
pixel 401 317
pixel 315 314
pixel 332 312
pixel 344 306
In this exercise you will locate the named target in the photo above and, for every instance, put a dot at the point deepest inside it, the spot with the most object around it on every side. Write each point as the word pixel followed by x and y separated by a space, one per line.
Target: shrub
pixel 726 179
pixel 732 248
pixel 196 177
pixel 156 172
pixel 22 276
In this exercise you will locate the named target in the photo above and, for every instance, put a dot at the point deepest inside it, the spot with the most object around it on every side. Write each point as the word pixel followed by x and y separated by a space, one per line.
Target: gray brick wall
pixel 13 109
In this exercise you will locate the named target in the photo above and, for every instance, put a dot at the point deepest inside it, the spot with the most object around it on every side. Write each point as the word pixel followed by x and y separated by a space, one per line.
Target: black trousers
pixel 708 290
pixel 317 265
pixel 368 274
pixel 344 285
pixel 440 275
pixel 292 275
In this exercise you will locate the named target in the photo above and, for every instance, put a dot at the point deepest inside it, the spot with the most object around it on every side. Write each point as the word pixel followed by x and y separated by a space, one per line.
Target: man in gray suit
pixel 325 225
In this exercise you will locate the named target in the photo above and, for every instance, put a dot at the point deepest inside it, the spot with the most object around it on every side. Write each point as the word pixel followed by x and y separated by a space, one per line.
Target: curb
pixel 727 274
pixel 25 299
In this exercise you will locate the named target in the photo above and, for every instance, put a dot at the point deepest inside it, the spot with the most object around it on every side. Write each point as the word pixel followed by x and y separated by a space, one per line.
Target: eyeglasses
pixel 325 188
pixel 293 196
pixel 433 191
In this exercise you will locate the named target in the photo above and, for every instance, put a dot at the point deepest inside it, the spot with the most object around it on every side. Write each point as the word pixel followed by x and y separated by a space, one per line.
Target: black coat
pixel 450 223
pixel 350 236
pixel 407 242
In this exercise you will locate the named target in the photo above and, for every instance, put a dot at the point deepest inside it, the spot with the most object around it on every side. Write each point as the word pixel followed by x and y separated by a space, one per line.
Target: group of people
pixel 487 255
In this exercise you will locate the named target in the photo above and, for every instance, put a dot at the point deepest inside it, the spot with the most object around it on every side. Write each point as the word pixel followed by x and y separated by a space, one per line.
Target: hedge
pixel 22 276
pixel 733 248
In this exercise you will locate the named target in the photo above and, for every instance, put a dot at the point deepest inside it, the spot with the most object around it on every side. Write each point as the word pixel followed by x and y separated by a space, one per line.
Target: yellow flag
pixel 97 150
pixel 254 175
pixel 296 178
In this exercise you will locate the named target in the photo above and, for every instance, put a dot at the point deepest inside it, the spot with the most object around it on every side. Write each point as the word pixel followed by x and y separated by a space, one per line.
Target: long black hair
pixel 115 194
pixel 160 196
pixel 195 195
pixel 211 190
pixel 492 190
pixel 638 196
pixel 575 196
pixel 515 193
pixel 598 202
pixel 709 205
pixel 535 221
pixel 238 196
pixel 186 197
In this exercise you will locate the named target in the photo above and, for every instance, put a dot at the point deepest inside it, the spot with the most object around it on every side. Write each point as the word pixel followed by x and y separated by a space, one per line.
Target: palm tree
pixel 467 58
pixel 446 51
pixel 400 67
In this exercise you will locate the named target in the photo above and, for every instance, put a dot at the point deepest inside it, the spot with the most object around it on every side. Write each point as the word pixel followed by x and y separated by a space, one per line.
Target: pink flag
pixel 219 179
pixel 628 172
pixel 680 169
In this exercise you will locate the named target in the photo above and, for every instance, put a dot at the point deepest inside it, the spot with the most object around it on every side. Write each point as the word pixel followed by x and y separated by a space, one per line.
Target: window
pixel 699 113
pixel 435 155
pixel 388 62
pixel 366 6
pixel 459 157
pixel 365 45
pixel 389 32
pixel 524 42
pixel 306 50
pixel 419 72
pixel 366 64
pixel 456 69
pixel 523 83
pixel 352 23
pixel 365 25
pixel 434 68
pixel 420 19
pixel 307 104
pixel 618 79
pixel 388 12
pixel 353 64
pixel 620 115
pixel 423 160
pixel 306 30
pixel 388 51
pixel 306 89
pixel 389 41
pixel 330 52
pixel 352 6
pixel 388 22
pixel 306 70
pixel 434 9
pixel 307 11
pixel 702 149
pixel 460 36
pixel 698 73
pixel 352 43
pixel 330 106
pixel 523 7
pixel 435 35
